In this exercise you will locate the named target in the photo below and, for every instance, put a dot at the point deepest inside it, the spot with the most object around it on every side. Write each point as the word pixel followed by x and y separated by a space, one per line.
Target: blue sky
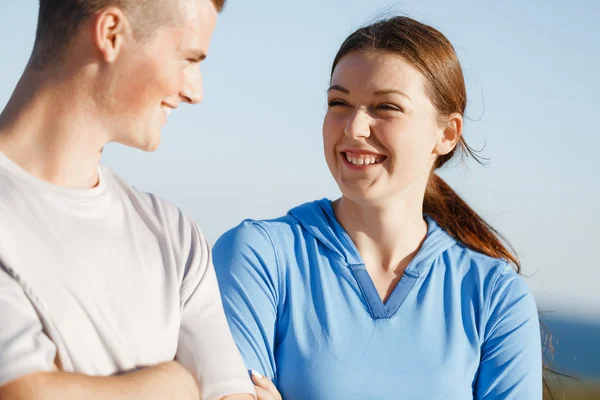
pixel 253 148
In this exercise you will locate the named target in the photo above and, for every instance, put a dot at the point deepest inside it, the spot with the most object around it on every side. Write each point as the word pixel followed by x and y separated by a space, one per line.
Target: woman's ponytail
pixel 455 216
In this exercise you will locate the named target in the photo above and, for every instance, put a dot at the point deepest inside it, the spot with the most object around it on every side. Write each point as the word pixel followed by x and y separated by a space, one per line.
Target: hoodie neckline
pixel 326 228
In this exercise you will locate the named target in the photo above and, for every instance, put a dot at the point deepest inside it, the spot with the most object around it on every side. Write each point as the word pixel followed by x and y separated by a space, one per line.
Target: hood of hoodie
pixel 318 219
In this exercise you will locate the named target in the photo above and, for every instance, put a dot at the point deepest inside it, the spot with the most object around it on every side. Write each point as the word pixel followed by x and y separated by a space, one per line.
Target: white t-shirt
pixel 106 280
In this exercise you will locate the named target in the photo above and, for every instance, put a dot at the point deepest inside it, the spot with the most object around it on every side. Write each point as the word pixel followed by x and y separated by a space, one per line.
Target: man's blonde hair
pixel 59 20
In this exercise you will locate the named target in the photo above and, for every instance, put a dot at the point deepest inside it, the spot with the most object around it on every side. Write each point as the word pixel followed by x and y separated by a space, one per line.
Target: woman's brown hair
pixel 432 54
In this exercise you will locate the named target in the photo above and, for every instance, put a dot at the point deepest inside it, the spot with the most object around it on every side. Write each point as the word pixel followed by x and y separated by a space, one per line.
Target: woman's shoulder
pixel 498 280
pixel 469 261
pixel 459 259
pixel 277 231
pixel 492 275
pixel 256 231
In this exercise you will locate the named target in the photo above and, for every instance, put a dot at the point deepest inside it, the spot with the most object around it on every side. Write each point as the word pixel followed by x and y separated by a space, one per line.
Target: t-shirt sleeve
pixel 206 346
pixel 24 348
pixel 247 270
pixel 511 356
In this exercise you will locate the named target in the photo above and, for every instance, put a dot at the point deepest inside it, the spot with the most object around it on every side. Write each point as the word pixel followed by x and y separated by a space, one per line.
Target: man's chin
pixel 150 147
pixel 147 143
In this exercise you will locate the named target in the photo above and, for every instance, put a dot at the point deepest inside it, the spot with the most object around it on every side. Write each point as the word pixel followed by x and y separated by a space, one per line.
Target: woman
pixel 397 289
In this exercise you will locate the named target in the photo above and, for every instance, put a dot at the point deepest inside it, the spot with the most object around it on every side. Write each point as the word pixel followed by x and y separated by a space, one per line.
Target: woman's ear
pixel 450 135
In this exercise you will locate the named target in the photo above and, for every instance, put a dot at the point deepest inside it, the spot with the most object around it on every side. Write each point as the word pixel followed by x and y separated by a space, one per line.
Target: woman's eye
pixel 334 103
pixel 389 107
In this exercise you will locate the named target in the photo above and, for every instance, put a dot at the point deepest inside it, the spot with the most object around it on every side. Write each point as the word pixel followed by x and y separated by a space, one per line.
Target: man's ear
pixel 111 27
pixel 451 133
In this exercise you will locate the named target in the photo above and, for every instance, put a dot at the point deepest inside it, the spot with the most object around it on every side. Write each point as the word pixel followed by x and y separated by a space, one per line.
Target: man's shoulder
pixel 160 213
pixel 138 197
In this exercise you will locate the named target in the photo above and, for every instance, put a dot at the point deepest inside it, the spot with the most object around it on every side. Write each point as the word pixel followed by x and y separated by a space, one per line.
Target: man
pixel 106 292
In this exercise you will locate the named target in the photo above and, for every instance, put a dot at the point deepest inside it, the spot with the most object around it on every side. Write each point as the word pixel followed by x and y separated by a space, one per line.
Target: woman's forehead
pixel 376 71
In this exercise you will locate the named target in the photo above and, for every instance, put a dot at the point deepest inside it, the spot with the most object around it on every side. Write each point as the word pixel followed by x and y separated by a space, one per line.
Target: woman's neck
pixel 386 235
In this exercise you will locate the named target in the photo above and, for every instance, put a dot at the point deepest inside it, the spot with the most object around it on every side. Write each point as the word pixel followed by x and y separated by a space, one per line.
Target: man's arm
pixel 27 369
pixel 206 346
pixel 162 382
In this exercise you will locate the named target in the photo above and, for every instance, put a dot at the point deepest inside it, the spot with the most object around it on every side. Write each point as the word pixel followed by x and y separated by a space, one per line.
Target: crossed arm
pixel 164 381
pixel 206 364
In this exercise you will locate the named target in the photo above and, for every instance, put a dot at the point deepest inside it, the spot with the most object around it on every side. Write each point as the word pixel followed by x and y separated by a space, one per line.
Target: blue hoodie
pixel 304 312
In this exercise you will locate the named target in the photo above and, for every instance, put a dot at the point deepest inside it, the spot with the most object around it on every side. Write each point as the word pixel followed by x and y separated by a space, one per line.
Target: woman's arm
pixel 511 355
pixel 248 274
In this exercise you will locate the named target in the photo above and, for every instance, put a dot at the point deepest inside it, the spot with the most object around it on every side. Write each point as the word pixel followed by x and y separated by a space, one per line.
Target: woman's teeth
pixel 364 159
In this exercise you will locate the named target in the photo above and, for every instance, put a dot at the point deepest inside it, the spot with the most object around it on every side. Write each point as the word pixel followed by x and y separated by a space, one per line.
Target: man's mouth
pixel 166 109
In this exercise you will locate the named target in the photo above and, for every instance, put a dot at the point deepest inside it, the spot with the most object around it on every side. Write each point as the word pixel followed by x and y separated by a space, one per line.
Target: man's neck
pixel 48 129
